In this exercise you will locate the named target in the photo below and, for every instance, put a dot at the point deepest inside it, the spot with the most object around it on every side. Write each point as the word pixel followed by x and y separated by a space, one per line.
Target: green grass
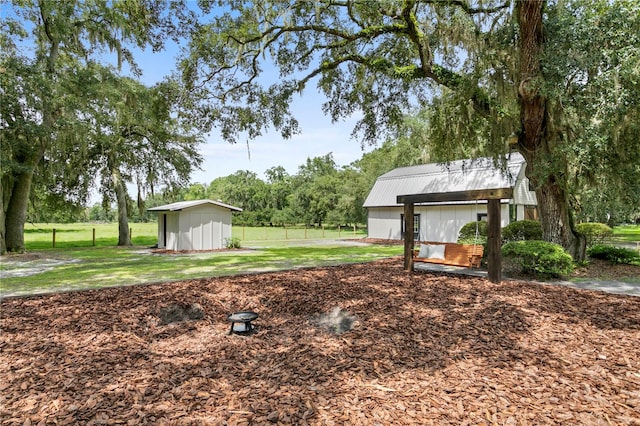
pixel 40 235
pixel 98 267
pixel 627 233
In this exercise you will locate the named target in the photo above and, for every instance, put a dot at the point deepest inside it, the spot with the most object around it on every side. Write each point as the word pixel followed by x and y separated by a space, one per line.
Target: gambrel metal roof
pixel 181 205
pixel 461 175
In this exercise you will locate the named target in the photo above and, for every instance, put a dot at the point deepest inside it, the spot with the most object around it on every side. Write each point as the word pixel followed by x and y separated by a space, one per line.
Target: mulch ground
pixel 422 349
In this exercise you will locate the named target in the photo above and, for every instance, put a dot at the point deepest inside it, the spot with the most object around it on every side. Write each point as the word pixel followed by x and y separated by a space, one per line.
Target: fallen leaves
pixel 424 349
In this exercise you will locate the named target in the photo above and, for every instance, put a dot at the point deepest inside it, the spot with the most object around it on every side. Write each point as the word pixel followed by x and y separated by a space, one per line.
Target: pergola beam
pixel 472 195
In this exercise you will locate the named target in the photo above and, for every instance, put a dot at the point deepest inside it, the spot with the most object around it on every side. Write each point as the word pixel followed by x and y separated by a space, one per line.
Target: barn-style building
pixel 442 221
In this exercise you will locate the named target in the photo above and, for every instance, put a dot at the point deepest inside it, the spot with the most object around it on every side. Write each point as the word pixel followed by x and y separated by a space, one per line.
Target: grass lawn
pixel 627 233
pixel 40 236
pixel 62 269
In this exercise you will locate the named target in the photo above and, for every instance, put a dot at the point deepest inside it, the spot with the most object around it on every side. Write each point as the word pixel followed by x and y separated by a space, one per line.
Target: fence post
pixel 131 235
pixel 339 230
pixel 54 237
pixel 94 237
pixel 286 233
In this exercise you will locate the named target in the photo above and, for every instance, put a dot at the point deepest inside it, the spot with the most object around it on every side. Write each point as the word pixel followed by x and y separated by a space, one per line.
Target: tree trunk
pixel 534 142
pixel 121 198
pixel 18 202
pixel 4 201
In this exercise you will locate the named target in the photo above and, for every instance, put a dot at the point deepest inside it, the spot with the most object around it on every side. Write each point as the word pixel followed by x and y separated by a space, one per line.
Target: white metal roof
pixel 181 205
pixel 461 175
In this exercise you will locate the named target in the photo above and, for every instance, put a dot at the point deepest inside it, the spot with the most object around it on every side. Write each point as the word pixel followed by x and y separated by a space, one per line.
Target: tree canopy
pixel 50 51
pixel 481 71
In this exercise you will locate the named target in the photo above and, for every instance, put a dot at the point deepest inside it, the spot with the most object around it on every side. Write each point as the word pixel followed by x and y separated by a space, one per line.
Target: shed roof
pixel 182 205
pixel 456 176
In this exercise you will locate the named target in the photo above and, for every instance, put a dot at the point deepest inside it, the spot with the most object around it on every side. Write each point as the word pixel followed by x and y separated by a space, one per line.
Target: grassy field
pixel 75 263
pixel 41 236
pixel 627 233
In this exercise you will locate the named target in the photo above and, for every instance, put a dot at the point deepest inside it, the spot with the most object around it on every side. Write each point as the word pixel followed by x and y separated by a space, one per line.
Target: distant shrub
pixel 232 243
pixel 594 232
pixel 538 258
pixel 522 230
pixel 614 254
pixel 467 234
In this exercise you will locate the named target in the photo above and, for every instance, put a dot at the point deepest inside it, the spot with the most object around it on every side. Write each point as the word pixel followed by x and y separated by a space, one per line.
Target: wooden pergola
pixel 492 196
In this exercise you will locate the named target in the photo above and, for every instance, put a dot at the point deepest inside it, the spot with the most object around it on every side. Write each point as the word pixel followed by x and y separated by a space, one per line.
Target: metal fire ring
pixel 243 317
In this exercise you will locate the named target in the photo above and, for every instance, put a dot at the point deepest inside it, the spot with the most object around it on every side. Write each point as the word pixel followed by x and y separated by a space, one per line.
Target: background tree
pixel 245 190
pixel 60 38
pixel 483 67
pixel 138 138
pixel 313 192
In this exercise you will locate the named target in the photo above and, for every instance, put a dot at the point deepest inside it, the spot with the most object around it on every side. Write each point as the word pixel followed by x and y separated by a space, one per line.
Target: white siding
pixel 203 228
pixel 173 227
pixel 521 193
pixel 437 223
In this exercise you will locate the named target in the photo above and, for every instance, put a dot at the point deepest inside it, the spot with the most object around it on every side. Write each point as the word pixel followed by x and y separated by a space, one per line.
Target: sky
pixel 318 135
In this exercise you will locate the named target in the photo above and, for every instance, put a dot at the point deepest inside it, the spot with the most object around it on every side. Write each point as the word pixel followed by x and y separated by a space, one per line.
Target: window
pixel 416 226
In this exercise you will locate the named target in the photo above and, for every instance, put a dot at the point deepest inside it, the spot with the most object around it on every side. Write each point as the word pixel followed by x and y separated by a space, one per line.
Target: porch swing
pixel 452 254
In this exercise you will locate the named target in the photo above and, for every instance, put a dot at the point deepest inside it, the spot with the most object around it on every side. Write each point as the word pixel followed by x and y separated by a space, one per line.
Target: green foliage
pixel 575 109
pixel 614 254
pixel 522 230
pixel 467 234
pixel 538 258
pixel 594 232
pixel 232 243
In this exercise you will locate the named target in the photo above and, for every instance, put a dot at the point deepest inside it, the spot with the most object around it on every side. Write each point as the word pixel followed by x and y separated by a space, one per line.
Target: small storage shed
pixel 441 221
pixel 194 225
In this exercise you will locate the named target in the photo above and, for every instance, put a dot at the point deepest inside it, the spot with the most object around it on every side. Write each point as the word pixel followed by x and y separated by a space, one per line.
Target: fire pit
pixel 241 322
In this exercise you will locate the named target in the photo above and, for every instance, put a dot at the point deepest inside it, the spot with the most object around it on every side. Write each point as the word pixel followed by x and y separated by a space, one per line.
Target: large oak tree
pixel 486 69
pixel 46 47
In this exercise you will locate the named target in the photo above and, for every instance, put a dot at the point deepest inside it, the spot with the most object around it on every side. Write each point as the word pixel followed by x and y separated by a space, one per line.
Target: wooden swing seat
pixel 466 255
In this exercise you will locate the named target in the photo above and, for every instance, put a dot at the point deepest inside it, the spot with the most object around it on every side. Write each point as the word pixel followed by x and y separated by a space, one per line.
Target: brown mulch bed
pixel 423 349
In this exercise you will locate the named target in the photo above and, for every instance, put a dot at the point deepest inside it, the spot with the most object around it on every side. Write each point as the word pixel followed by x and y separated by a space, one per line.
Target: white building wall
pixel 173 225
pixel 521 193
pixel 203 228
pixel 161 227
pixel 437 223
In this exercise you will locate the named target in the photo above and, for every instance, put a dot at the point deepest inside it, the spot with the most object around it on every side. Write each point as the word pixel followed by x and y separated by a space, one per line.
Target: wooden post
pixel 131 235
pixel 494 258
pixel 408 236
pixel 54 237
pixel 339 231
pixel 94 237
